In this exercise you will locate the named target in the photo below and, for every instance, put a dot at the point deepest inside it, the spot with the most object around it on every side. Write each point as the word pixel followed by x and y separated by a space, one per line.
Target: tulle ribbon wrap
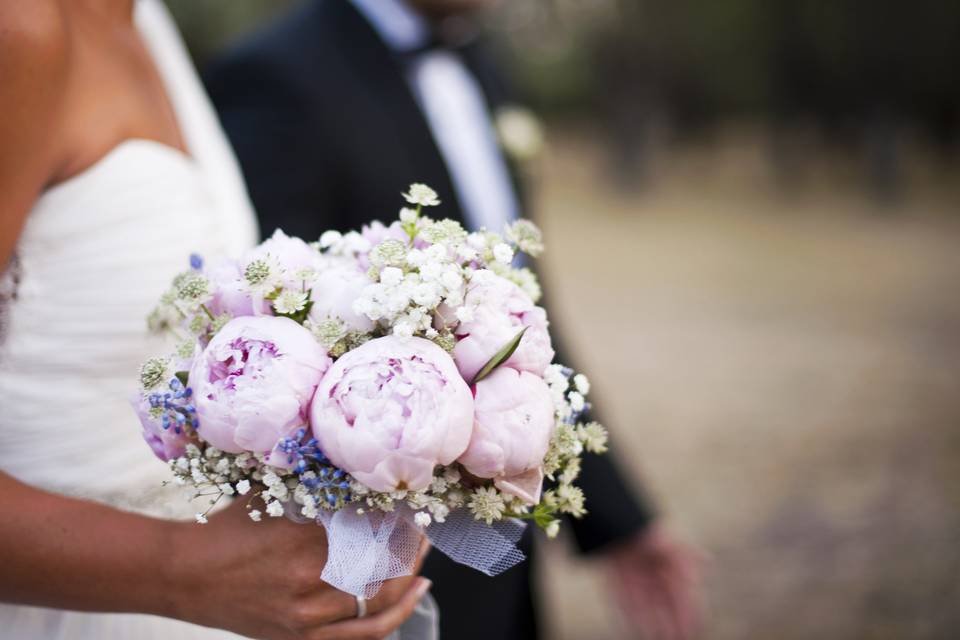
pixel 364 550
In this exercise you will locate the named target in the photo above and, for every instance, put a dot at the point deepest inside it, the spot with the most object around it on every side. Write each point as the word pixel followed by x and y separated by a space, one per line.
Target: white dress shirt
pixel 453 105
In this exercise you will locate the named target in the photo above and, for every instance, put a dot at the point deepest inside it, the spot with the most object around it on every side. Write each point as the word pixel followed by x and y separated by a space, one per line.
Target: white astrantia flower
pixel 553 529
pixel 438 485
pixel 594 437
pixel 290 301
pixel 274 509
pixel 444 232
pixel 570 472
pixel 582 384
pixel 570 500
pixel 503 253
pixel 243 487
pixel 389 252
pixel 255 515
pixel 487 504
pixel 422 519
pixel 330 238
pixel 153 373
pixel 422 195
pixel 262 275
pixel 201 519
pixel 527 236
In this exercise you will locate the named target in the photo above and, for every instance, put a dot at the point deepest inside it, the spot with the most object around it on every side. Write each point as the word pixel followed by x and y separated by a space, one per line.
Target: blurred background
pixel 761 202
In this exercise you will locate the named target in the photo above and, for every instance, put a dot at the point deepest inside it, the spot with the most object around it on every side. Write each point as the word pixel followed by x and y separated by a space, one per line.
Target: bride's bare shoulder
pixel 34 45
pixel 34 67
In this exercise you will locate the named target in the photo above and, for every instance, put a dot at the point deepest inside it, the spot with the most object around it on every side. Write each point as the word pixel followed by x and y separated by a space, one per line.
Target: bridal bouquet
pixel 388 383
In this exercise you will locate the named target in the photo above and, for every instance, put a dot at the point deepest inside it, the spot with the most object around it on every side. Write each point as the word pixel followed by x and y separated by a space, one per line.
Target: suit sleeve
pixel 278 140
pixel 615 510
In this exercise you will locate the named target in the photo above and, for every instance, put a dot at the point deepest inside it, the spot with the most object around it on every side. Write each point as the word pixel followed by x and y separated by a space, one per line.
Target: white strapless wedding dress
pixel 96 253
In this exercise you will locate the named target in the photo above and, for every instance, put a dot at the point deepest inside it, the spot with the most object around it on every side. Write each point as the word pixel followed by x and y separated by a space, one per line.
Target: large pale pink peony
pixel 501 310
pixel 333 293
pixel 253 384
pixel 513 424
pixel 392 409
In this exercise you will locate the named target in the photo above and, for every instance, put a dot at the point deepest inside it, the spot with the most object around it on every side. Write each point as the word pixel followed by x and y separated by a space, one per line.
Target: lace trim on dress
pixel 9 284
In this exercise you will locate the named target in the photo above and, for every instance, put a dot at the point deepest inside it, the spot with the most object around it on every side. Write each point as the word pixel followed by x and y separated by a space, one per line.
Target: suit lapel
pixel 390 108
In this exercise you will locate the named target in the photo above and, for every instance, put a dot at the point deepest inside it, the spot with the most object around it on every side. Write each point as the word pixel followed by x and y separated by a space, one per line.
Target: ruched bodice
pixel 94 256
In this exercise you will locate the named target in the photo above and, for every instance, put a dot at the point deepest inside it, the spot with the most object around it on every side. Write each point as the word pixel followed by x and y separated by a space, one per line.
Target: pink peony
pixel 392 409
pixel 291 253
pixel 501 310
pixel 333 295
pixel 513 424
pixel 229 291
pixel 253 383
pixel 376 232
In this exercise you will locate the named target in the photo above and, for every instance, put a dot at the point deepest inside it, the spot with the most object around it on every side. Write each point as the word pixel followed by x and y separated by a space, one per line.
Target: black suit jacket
pixel 329 134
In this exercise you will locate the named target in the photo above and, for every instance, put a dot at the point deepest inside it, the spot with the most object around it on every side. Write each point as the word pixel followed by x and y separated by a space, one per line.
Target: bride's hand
pixel 262 580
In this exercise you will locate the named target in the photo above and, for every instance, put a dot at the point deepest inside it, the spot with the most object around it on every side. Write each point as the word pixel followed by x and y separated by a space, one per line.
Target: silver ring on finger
pixel 361 606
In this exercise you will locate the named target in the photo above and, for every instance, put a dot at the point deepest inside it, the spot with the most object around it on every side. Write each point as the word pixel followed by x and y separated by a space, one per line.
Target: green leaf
pixel 182 376
pixel 499 357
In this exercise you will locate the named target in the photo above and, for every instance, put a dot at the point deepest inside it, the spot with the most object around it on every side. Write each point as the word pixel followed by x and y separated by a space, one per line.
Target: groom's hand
pixel 657 583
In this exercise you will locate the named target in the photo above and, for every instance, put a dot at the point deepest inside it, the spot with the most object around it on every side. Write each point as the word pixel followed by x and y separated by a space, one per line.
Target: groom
pixel 335 110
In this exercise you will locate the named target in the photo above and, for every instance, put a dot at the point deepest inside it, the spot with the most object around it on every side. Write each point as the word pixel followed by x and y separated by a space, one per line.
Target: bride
pixel 113 170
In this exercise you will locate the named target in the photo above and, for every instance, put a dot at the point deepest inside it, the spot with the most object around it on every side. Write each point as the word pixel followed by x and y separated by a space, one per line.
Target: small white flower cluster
pixel 419 283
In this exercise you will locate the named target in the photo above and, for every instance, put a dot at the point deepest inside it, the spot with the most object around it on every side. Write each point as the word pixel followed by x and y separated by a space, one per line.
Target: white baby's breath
pixel 422 519
pixel 503 253
pixel 274 509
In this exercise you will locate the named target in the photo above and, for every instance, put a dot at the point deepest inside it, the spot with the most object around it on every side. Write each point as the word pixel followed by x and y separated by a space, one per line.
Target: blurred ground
pixel 786 371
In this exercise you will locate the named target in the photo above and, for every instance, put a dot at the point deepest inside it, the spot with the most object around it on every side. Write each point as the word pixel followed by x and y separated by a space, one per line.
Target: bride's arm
pixel 70 554
pixel 34 69
pixel 261 580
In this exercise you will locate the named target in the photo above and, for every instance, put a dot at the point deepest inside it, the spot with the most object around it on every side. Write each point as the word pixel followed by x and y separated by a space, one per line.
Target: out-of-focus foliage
pixel 701 59
pixel 208 25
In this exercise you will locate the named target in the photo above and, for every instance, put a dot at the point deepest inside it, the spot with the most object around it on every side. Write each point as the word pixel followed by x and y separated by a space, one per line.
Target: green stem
pixel 207 311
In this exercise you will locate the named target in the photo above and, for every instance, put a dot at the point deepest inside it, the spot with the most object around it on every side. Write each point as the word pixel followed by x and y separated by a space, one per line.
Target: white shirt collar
pixel 398 25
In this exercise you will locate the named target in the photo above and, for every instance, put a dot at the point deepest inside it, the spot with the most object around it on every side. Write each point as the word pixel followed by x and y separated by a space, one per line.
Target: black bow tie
pixel 455 38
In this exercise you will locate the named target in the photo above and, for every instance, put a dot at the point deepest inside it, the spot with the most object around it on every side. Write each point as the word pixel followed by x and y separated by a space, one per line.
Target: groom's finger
pixel 422 554
pixel 377 626
pixel 393 589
